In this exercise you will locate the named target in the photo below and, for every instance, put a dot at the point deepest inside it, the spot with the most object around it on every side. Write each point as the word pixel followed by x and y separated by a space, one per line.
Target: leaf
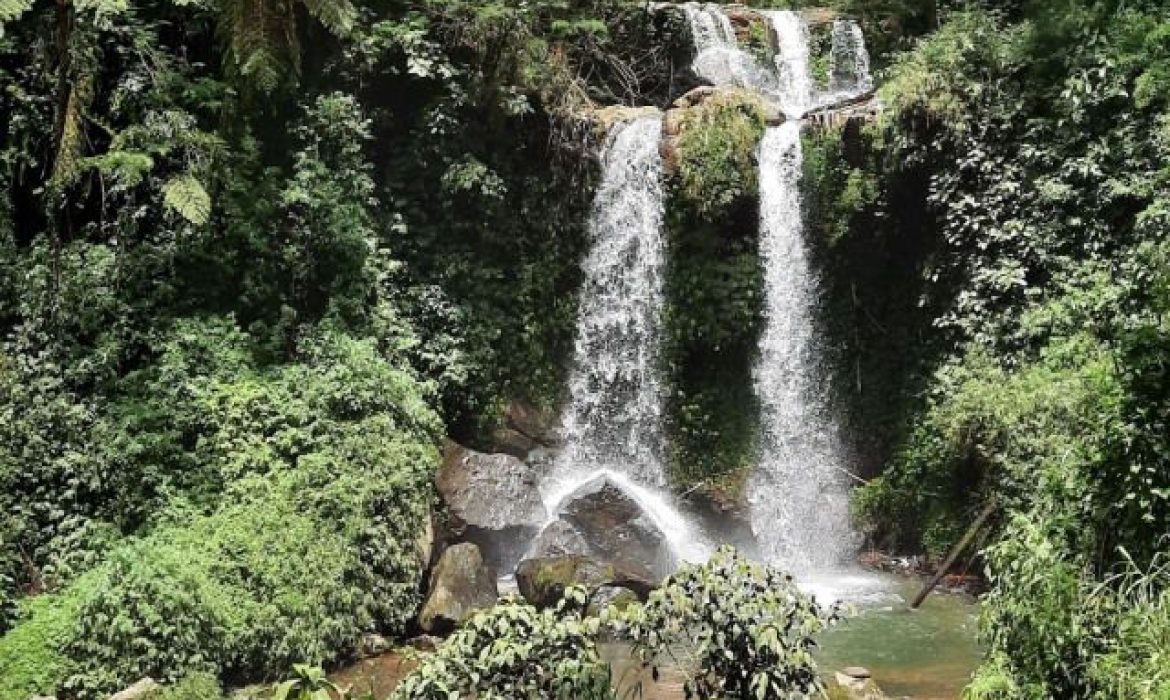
pixel 12 9
pixel 186 196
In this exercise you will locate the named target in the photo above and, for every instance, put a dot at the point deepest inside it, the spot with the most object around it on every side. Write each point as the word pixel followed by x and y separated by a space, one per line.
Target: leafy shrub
pixel 322 474
pixel 31 658
pixel 738 629
pixel 717 143
pixel 746 628
pixel 517 651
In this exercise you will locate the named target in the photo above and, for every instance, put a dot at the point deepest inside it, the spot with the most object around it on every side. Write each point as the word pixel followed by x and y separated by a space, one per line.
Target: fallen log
pixel 954 554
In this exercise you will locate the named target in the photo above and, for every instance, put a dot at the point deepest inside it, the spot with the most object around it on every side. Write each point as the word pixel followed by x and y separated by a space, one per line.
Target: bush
pixel 295 533
pixel 517 651
pixel 736 628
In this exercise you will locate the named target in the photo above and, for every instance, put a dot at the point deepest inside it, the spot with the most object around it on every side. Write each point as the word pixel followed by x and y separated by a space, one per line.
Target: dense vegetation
pixel 258 256
pixel 997 246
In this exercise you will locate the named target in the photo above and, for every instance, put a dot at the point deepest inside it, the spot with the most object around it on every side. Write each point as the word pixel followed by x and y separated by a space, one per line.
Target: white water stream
pixel 613 421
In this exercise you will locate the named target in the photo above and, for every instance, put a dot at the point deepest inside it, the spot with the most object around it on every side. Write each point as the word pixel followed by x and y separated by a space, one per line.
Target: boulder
pixel 461 583
pixel 373 644
pixel 510 441
pixel 855 683
pixel 617 597
pixel 697 96
pixel 142 689
pixel 537 424
pixel 618 531
pixel 559 538
pixel 543 581
pixel 492 500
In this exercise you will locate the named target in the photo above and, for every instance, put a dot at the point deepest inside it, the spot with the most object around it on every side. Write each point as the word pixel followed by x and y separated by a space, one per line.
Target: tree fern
pixel 261 35
pixel 185 195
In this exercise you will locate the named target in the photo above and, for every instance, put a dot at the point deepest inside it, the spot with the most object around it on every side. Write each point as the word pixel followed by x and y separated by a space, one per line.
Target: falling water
pixel 613 422
pixel 799 509
pixel 613 419
pixel 849 61
pixel 718 58
pixel 795 92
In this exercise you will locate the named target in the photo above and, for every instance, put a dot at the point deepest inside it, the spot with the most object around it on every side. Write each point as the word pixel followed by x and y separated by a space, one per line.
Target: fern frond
pixel 102 7
pixel 338 16
pixel 187 197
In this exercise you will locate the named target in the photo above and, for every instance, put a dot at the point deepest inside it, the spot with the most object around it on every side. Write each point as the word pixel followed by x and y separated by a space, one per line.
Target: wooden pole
pixel 954 554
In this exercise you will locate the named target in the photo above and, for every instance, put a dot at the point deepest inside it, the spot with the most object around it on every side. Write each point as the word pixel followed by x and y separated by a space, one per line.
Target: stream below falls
pixel 925 654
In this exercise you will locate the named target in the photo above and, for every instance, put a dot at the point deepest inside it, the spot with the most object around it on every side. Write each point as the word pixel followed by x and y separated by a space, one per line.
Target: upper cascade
pixel 796 93
pixel 718 58
pixel 788 80
pixel 849 73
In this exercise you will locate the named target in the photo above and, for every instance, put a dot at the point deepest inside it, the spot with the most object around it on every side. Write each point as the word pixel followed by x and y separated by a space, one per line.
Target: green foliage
pixel 31 661
pixel 517 651
pixel 738 629
pixel 746 628
pixel 715 166
pixel 196 686
pixel 1031 136
pixel 307 683
pixel 713 288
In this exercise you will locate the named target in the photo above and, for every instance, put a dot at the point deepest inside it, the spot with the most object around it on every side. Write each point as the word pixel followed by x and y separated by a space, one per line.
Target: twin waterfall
pixel 613 421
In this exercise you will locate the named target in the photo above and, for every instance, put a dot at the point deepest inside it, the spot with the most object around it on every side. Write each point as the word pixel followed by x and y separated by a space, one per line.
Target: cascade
pixel 799 508
pixel 718 58
pixel 613 421
pixel 795 93
pixel 848 61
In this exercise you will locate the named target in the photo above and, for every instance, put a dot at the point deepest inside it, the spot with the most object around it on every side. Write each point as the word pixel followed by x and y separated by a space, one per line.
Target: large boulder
pixel 492 500
pixel 618 530
pixel 461 583
pixel 543 581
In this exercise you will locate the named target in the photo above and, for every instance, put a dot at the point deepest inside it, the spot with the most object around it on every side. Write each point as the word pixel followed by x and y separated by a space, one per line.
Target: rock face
pixel 617 597
pixel 603 537
pixel 543 581
pixel 492 500
pixel 461 583
pixel 138 691
pixel 618 531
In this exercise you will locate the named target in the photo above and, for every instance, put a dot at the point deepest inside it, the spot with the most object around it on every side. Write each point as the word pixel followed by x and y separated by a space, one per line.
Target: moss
pixel 714 288
pixel 820 54
pixel 715 166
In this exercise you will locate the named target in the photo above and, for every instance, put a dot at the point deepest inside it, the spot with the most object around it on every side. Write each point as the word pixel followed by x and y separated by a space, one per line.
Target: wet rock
pixel 815 17
pixel 539 425
pixel 617 597
pixel 510 441
pixel 697 96
pixel 723 511
pixel 138 691
pixel 461 584
pixel 559 538
pixel 854 683
pixel 424 642
pixel 618 531
pixel 543 581
pixel 493 500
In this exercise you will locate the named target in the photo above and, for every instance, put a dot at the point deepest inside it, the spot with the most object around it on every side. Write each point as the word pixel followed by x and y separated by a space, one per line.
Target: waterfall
pixel 718 58
pixel 613 419
pixel 848 61
pixel 795 92
pixel 799 508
